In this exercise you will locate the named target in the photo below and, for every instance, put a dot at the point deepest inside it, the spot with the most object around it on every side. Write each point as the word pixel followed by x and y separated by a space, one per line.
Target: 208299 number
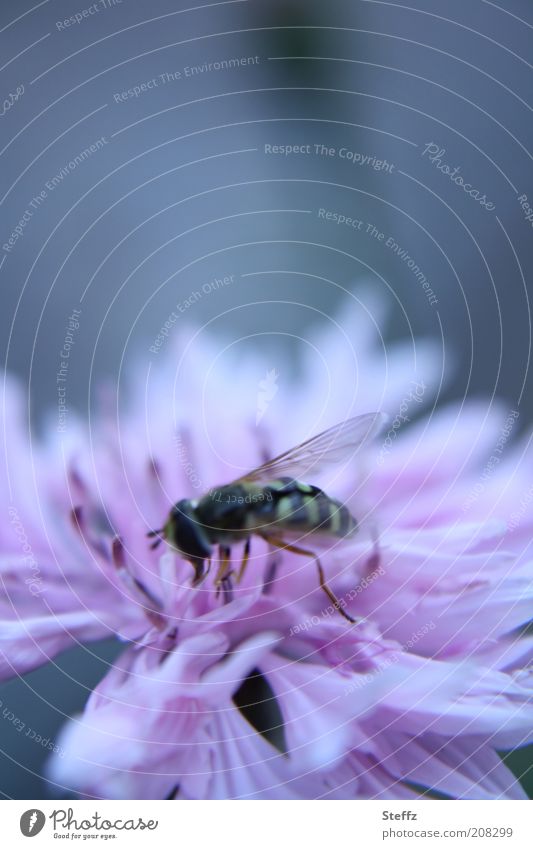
pixel 488 831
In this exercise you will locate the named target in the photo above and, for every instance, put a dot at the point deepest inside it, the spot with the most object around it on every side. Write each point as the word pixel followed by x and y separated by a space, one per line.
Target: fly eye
pixel 189 537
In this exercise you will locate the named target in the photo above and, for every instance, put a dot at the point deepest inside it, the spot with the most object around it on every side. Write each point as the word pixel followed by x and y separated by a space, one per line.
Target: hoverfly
pixel 271 502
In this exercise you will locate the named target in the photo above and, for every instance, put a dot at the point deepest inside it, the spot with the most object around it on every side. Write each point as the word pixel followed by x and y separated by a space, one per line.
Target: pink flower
pixel 266 691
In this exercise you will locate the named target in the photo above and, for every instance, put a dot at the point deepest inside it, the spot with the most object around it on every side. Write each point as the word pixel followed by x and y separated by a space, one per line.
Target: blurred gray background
pixel 152 178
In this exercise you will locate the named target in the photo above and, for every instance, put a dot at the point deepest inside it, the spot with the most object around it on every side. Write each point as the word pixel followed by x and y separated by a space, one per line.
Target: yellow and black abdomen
pixel 289 505
pixel 235 511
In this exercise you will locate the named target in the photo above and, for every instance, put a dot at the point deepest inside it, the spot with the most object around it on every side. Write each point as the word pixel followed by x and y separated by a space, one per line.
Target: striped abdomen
pixel 296 506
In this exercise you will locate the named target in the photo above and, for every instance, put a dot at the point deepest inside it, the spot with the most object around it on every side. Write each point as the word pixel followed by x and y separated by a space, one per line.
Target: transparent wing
pixel 338 445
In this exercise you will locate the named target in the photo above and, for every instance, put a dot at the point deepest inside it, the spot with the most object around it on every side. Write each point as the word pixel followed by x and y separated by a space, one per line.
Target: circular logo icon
pixel 32 822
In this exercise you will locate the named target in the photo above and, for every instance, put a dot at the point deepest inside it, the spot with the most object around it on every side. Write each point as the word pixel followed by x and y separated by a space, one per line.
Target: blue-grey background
pixel 179 191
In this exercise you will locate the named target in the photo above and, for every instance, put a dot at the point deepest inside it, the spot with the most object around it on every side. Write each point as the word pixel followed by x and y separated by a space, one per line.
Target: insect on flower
pixel 273 503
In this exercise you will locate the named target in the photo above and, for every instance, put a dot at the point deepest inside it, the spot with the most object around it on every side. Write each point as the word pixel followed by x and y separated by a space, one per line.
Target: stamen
pixel 160 534
pixel 117 552
pixel 78 519
pixel 151 605
pixel 76 516
pixel 76 481
pixel 174 792
pixel 170 640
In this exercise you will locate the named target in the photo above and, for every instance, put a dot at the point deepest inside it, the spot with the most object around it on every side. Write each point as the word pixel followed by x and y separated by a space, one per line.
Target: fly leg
pixel 329 592
pixel 271 570
pixel 223 570
pixel 244 562
pixel 227 587
pixel 199 573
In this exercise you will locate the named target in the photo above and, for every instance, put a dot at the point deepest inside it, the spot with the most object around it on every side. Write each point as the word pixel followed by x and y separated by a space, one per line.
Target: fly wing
pixel 336 446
